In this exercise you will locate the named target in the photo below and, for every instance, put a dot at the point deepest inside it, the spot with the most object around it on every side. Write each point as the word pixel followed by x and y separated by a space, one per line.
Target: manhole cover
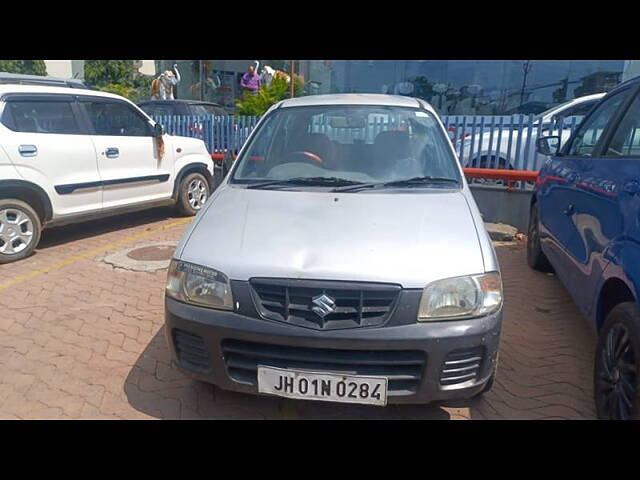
pixel 143 258
pixel 154 253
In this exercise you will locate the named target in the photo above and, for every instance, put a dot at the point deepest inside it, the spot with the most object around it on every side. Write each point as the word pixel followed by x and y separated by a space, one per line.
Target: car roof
pixel 21 79
pixel 181 100
pixel 626 83
pixel 352 99
pixel 11 88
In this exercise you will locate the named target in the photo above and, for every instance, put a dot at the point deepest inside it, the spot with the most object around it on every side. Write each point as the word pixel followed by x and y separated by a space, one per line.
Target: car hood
pixel 405 238
pixel 187 145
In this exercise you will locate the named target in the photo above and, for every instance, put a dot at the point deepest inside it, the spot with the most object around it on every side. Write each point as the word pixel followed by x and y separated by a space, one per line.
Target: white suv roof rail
pixel 20 79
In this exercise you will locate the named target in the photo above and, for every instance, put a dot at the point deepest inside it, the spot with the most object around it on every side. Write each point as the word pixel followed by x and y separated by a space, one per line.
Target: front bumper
pixel 199 340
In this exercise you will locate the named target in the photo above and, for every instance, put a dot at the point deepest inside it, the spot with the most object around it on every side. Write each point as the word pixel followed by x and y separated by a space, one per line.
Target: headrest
pixel 393 142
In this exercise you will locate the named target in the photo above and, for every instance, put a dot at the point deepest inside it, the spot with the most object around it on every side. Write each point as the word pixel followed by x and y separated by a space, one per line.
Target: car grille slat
pixel 191 350
pixel 356 304
pixel 403 368
pixel 461 366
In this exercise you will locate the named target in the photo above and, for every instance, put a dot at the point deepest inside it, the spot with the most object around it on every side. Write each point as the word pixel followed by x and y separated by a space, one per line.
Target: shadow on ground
pixel 156 388
pixel 545 369
pixel 55 236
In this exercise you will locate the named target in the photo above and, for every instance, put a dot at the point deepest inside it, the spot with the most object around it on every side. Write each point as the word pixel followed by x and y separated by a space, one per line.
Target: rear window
pixel 159 110
pixel 40 117
pixel 206 110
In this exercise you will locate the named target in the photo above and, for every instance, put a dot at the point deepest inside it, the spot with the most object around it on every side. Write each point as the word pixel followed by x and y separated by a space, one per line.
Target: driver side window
pixel 626 140
pixel 591 129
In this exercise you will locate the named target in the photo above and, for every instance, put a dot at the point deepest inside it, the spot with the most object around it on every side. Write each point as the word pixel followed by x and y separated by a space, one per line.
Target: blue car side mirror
pixel 548 145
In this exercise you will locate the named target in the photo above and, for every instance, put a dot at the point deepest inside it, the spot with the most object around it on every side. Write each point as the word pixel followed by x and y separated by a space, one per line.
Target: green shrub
pixel 258 104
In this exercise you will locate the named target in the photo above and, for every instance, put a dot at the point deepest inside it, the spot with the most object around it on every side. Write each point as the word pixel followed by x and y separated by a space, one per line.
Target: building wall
pixel 59 68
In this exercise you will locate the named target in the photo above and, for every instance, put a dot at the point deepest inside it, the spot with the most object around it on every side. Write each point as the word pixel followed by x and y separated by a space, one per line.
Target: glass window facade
pixel 453 87
pixel 468 87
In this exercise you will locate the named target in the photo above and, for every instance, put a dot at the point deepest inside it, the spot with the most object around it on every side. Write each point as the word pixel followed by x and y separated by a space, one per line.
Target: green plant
pixel 118 89
pixel 258 104
pixel 117 76
pixel 27 67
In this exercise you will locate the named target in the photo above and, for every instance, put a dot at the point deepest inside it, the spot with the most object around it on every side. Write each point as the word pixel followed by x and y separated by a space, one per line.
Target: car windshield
pixel 348 145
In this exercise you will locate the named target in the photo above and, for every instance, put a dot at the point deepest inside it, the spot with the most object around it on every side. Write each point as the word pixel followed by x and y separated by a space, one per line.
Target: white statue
pixel 163 87
pixel 269 73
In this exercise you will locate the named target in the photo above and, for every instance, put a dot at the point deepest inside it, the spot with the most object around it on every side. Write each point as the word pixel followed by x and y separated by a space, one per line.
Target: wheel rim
pixel 16 231
pixel 197 194
pixel 618 378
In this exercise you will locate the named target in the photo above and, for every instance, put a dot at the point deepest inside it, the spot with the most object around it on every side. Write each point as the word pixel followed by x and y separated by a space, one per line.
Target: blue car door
pixel 567 197
pixel 607 220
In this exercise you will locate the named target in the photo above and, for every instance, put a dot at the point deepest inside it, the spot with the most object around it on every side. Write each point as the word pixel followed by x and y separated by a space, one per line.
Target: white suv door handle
pixel 28 150
pixel 112 152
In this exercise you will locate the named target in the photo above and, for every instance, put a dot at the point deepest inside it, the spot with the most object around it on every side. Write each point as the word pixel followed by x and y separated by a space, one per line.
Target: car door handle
pixel 570 210
pixel 28 150
pixel 112 152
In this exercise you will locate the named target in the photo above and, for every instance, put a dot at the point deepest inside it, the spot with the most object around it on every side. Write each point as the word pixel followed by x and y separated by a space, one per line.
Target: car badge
pixel 323 305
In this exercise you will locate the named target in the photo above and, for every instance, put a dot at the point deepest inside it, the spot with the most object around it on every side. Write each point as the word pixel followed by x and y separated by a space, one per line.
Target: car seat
pixel 389 147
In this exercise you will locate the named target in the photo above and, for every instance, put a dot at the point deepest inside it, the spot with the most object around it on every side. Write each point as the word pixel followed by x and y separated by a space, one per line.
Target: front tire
pixel 535 256
pixel 20 230
pixel 194 192
pixel 616 375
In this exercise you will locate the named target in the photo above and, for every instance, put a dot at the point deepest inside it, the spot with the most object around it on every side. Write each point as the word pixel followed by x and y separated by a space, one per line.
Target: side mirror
pixel 548 145
pixel 158 130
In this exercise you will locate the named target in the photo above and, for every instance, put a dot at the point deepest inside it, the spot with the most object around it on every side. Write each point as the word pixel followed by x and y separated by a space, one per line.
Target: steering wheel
pixel 308 157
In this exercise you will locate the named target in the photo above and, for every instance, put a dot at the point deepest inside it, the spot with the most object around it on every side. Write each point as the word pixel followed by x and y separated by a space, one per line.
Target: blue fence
pixel 480 141
pixel 220 134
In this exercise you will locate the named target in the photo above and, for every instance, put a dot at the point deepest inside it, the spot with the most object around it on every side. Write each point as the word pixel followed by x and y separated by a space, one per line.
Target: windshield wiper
pixel 399 183
pixel 312 181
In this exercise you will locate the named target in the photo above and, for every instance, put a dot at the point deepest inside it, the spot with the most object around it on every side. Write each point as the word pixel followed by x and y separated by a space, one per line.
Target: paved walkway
pixel 82 339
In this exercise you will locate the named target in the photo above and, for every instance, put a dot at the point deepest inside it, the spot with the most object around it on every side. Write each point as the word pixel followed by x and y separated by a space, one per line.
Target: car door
pixel 131 169
pixel 50 146
pixel 570 200
pixel 606 215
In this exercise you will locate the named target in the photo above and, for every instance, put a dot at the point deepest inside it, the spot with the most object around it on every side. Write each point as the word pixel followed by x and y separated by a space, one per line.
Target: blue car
pixel 584 225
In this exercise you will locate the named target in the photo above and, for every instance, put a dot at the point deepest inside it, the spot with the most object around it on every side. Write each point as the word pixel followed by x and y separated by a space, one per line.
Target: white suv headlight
pixel 461 297
pixel 198 285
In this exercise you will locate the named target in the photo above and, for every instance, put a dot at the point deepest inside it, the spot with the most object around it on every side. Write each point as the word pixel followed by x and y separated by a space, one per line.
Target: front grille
pixel 403 368
pixel 461 366
pixel 191 350
pixel 356 304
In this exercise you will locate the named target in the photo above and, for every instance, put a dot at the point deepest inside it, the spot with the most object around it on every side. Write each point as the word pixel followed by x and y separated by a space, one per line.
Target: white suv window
pixel 40 117
pixel 116 119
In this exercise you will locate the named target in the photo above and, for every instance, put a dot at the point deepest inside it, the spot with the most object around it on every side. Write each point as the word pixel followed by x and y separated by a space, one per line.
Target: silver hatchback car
pixel 342 259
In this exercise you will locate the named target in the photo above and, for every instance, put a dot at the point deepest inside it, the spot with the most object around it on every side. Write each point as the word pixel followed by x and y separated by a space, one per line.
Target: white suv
pixel 68 155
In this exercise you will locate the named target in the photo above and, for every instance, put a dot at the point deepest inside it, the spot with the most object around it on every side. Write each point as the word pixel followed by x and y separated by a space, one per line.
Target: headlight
pixel 461 297
pixel 198 285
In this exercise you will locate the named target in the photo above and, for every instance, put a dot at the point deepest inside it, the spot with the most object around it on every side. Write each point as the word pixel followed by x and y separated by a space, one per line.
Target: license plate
pixel 328 387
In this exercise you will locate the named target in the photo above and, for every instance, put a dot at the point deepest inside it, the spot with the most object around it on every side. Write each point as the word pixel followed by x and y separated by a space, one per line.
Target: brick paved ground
pixel 81 339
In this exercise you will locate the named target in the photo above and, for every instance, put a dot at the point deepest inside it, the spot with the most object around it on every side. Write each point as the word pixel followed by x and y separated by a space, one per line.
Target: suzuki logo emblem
pixel 323 305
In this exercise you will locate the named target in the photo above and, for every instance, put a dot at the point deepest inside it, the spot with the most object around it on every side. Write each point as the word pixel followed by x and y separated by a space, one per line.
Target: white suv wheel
pixel 19 230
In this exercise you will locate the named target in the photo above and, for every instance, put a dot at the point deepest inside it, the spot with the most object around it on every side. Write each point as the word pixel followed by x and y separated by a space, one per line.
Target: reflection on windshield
pixel 348 144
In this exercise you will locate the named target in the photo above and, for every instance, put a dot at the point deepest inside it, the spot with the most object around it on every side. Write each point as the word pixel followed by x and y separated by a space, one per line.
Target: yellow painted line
pixel 90 253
